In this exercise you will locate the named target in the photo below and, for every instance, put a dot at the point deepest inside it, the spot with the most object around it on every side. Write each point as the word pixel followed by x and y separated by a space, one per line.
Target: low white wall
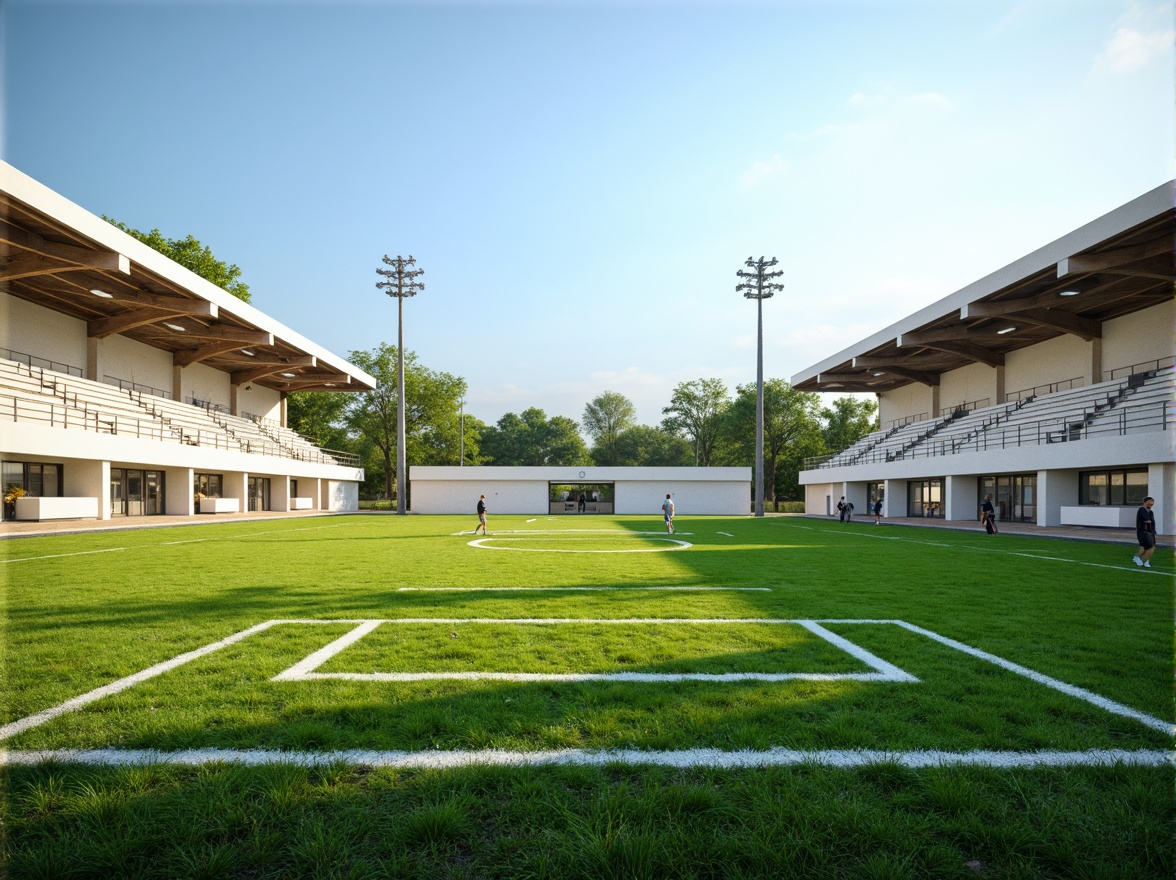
pixel 524 490
pixel 1088 515
pixel 38 509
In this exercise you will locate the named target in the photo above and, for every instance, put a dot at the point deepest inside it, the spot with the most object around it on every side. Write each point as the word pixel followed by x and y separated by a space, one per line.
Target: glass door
pixel 134 496
pixel 118 505
pixel 153 493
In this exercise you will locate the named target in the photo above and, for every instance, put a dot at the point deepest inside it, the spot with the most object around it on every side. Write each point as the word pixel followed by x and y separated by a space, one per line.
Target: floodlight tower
pixel 401 282
pixel 759 286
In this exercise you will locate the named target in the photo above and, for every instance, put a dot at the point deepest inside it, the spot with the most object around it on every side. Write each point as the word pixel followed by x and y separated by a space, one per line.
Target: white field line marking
pixel 725 534
pixel 321 656
pixel 682 758
pixel 542 532
pixel 883 671
pixel 577 589
pixel 888 671
pixel 63 555
pixel 998 550
pixel 482 544
pixel 122 684
pixel 1068 689
pixel 38 718
pixel 532 519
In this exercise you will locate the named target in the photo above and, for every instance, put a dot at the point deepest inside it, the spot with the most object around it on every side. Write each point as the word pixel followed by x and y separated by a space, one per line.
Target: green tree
pixel 605 417
pixel 432 425
pixel 647 446
pixel 531 439
pixel 696 409
pixel 790 416
pixel 191 254
pixel 847 421
pixel 318 416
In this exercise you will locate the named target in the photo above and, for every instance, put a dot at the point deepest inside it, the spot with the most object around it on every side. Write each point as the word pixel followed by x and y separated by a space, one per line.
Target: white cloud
pixel 761 171
pixel 1141 34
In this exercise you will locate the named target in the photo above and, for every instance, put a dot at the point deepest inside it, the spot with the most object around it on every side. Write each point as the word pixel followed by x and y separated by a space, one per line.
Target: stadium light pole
pixel 401 281
pixel 759 286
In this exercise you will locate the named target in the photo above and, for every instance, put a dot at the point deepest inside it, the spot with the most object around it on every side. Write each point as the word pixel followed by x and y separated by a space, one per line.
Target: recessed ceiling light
pixel 878 373
pixel 246 351
pixel 176 327
pixel 288 375
pixel 1005 330
pixel 329 384
pixel 101 293
pixel 1069 292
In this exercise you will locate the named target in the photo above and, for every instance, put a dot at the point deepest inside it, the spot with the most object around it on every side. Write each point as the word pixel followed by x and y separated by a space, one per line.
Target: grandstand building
pixel 1047 384
pixel 132 387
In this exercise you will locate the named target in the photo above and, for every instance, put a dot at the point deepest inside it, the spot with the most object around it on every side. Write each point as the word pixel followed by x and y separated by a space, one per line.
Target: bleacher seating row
pixel 1138 403
pixel 32 394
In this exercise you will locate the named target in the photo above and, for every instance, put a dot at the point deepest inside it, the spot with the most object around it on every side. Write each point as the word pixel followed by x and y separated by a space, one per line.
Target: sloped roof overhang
pixel 1118 264
pixel 58 255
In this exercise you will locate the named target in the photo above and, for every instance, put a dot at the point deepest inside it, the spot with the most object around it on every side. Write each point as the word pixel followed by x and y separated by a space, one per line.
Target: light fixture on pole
pixel 759 286
pixel 401 282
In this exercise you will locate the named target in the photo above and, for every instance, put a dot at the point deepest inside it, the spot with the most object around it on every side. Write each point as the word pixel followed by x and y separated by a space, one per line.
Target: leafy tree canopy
pixel 696 410
pixel 847 421
pixel 191 254
pixel 647 446
pixel 605 417
pixel 790 416
pixel 531 439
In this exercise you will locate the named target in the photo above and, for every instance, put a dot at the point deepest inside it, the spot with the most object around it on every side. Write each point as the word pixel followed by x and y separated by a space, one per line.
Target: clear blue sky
pixel 581 181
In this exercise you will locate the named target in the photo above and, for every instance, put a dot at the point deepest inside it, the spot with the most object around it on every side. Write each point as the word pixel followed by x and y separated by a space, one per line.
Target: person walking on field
pixel 1145 533
pixel 988 515
pixel 877 510
pixel 841 509
pixel 481 515
pixel 668 509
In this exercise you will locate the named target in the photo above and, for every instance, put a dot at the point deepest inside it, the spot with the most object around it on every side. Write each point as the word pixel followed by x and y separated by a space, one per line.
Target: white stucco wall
pixel 905 401
pixel 264 402
pixel 133 361
pixel 1139 337
pixel 1054 360
pixel 205 383
pixel 967 384
pixel 41 332
pixel 696 491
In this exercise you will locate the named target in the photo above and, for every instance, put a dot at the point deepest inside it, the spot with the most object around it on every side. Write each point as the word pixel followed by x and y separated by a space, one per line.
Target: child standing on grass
pixel 1145 533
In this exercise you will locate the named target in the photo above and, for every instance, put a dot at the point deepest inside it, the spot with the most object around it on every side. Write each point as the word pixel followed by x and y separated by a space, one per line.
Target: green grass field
pixel 582 697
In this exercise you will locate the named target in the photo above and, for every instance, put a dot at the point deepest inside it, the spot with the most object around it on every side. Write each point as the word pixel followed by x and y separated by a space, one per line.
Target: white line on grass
pixel 541 532
pixel 725 534
pixel 63 555
pixel 321 656
pixel 483 544
pixel 532 520
pixel 632 677
pixel 857 534
pixel 1069 689
pixel 577 589
pixel 682 758
pixel 122 684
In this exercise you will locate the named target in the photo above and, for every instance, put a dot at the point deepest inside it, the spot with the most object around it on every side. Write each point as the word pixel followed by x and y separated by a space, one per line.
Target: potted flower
pixel 10 495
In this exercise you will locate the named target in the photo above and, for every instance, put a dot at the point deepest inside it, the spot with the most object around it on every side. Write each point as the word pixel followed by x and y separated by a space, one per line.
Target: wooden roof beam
pixel 977 353
pixel 1115 261
pixel 1085 328
pixel 82 258
pixel 238 334
pixel 221 346
pixel 103 327
pixel 272 368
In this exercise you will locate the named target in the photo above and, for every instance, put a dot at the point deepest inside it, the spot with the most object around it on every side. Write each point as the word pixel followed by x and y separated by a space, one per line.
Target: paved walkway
pixel 1073 533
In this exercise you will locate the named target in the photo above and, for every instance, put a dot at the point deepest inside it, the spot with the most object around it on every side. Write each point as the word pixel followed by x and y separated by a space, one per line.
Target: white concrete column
pixel 961 498
pixel 178 494
pixel 1161 485
pixel 235 484
pixel 1055 490
pixel 280 493
pixel 88 479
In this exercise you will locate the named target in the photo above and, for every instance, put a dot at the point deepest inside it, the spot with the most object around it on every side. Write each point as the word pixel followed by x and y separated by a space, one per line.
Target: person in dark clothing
pixel 1145 533
pixel 481 515
pixel 841 509
pixel 877 511
pixel 583 503
pixel 988 515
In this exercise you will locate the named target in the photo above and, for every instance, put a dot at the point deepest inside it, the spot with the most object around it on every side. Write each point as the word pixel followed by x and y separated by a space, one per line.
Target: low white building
pixel 1047 384
pixel 130 386
pixel 712 491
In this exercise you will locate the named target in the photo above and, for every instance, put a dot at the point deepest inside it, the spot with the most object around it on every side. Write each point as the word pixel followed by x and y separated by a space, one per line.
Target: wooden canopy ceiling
pixel 1125 272
pixel 47 262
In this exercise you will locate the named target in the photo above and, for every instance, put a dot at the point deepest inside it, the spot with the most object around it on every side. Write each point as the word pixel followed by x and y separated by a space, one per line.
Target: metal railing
pixel 32 361
pixel 906 420
pixel 1051 388
pixel 966 407
pixel 128 385
pixel 1134 369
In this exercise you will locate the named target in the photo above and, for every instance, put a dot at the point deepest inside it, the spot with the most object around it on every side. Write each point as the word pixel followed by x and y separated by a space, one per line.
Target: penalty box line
pixel 367 625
